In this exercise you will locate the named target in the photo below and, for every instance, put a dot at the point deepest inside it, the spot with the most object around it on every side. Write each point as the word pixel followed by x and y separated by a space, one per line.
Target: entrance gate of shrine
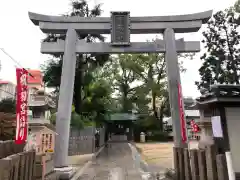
pixel 120 25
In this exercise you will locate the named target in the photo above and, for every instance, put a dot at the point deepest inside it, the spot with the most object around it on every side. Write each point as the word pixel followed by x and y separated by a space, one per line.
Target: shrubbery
pixel 151 129
pixel 77 121
pixel 158 136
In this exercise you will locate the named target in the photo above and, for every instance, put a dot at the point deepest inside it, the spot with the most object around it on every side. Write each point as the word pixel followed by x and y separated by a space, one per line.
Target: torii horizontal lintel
pixel 135 28
pixel 136 47
pixel 139 25
pixel 202 16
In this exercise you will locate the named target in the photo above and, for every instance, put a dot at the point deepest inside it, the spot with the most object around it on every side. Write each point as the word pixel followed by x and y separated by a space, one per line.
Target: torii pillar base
pixel 65 173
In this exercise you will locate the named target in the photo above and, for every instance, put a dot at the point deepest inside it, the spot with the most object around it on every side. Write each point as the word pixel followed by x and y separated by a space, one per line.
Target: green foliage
pixel 97 99
pixel 91 96
pixel 86 64
pixel 77 121
pixel 221 59
pixel 158 136
pixel 151 68
pixel 140 83
pixel 8 105
pixel 53 118
pixel 123 80
pixel 150 125
pixel 236 8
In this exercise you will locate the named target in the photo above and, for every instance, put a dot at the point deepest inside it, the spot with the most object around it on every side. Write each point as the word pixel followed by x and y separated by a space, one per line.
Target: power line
pixel 15 61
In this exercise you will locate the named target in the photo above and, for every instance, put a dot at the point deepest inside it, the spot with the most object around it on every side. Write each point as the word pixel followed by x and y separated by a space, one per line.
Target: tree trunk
pixel 161 116
pixel 125 103
pixel 154 96
pixel 77 97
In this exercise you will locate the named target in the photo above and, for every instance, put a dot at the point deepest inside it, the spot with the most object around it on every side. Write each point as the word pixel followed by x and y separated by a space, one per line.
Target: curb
pixel 87 164
pixel 143 164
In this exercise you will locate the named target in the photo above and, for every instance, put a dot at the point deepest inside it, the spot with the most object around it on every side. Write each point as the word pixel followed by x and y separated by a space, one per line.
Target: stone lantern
pixel 220 122
pixel 205 111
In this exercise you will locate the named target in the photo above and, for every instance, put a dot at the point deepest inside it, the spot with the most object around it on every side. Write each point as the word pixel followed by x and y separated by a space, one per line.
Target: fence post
pixel 5 169
pixel 222 167
pixel 181 163
pixel 34 166
pixel 15 159
pixel 194 164
pixel 1 150
pixel 26 169
pixel 31 155
pixel 6 149
pixel 188 175
pixel 211 162
pixel 202 165
pixel 176 162
pixel 93 140
pixel 21 171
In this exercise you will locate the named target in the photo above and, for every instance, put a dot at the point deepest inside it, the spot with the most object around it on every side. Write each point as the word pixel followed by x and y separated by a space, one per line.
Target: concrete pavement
pixel 114 162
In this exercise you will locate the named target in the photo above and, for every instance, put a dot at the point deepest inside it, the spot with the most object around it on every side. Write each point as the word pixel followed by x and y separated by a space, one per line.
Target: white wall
pixel 7 91
pixel 233 124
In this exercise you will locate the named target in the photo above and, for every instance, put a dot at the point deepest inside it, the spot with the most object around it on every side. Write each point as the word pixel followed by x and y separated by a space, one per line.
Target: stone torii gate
pixel 120 25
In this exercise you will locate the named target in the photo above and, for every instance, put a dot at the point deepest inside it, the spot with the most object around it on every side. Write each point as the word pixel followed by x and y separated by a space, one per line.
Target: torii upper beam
pixel 138 25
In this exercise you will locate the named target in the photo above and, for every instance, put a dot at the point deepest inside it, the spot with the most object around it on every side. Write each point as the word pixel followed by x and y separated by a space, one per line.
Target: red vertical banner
pixel 194 126
pixel 181 111
pixel 21 106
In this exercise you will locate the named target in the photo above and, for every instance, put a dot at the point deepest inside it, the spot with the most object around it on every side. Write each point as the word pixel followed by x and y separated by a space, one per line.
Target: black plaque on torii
pixel 120 28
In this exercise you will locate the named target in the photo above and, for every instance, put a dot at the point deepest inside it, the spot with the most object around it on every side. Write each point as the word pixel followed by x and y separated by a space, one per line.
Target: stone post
pixel 65 100
pixel 206 135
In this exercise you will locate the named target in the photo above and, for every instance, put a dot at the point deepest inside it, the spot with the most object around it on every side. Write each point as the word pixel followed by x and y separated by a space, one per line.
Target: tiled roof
pixel 192 113
pixel 122 116
pixel 37 77
pixel 220 91
pixel 5 82
pixel 188 113
pixel 42 124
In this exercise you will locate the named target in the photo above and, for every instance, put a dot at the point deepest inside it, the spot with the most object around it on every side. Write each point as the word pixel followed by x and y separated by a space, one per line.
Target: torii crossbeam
pixel 120 25
pixel 136 47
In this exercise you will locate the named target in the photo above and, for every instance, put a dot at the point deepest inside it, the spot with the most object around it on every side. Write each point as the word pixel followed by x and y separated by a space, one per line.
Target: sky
pixel 20 38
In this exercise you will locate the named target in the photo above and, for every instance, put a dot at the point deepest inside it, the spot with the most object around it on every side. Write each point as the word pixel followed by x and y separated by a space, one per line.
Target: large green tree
pixel 221 58
pixel 8 105
pixel 123 80
pixel 86 63
pixel 97 99
pixel 151 68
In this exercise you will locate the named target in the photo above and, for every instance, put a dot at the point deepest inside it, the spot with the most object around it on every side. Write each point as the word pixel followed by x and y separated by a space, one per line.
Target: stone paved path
pixel 117 156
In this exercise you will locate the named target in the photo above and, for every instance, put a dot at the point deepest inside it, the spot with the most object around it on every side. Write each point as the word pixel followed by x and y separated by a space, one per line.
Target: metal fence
pixel 83 141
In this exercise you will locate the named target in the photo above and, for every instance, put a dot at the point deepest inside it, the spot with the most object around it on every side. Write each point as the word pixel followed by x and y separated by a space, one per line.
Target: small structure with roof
pixel 191 113
pixel 121 125
pixel 220 114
